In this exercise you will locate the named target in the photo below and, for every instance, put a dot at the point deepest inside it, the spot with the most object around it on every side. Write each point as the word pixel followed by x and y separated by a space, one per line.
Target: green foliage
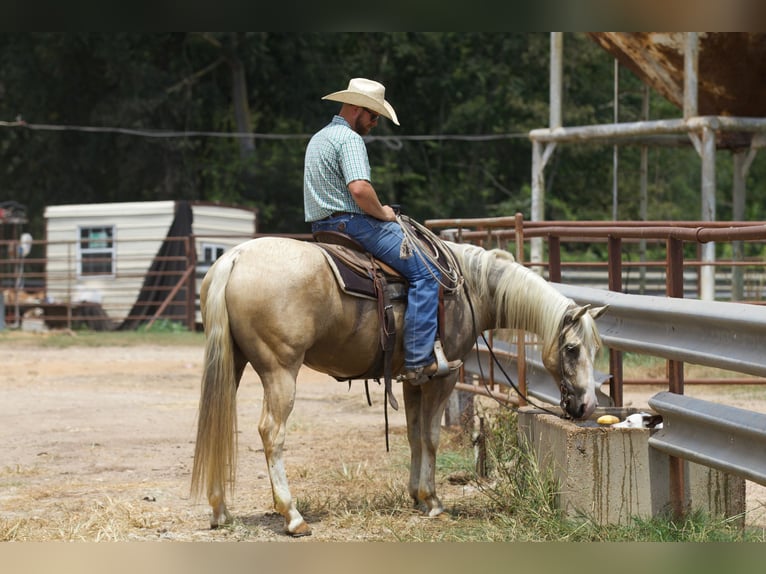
pixel 440 83
pixel 161 336
pixel 163 326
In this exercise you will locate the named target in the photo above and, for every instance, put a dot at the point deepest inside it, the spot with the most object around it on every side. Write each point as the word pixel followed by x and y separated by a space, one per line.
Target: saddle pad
pixel 353 271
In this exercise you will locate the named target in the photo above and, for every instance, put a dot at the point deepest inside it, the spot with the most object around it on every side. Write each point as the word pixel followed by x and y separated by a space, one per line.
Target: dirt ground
pixel 97 444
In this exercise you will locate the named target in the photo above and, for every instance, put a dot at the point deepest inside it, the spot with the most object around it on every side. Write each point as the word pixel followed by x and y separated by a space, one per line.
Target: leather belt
pixel 337 214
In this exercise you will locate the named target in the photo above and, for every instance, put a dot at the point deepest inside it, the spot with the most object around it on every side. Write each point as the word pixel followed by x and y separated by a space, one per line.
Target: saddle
pixel 360 274
pixel 356 269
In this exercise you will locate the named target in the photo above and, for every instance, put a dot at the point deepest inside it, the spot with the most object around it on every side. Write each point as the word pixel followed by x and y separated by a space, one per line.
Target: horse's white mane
pixel 522 298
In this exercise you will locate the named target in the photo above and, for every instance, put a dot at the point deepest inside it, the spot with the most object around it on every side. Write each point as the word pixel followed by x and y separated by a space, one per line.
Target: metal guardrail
pixel 727 438
pixel 730 336
pixel 540 384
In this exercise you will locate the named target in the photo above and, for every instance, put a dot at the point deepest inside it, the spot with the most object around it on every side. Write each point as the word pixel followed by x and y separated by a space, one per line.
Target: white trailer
pixel 107 253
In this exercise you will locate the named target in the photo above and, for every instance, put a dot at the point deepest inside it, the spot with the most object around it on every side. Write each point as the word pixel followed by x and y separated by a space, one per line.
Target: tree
pixel 442 84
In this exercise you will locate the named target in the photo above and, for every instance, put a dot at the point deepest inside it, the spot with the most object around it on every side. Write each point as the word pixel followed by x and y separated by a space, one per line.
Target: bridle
pixel 565 387
pixel 454 274
pixel 494 358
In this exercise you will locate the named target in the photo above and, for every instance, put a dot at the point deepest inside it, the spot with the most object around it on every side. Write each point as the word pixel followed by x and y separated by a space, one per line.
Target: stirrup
pixel 443 366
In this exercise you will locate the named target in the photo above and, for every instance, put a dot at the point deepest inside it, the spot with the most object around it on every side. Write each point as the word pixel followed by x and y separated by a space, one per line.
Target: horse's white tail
pixel 215 454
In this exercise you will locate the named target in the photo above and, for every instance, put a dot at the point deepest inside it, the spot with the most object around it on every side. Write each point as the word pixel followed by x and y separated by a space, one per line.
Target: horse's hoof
pixel 217 525
pixel 421 507
pixel 435 512
pixel 217 521
pixel 301 530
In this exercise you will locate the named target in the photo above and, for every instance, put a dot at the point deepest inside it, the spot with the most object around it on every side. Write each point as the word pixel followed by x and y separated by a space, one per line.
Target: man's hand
pixel 365 197
pixel 389 213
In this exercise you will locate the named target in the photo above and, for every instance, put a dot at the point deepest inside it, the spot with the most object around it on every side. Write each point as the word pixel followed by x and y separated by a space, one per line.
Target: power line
pixel 392 140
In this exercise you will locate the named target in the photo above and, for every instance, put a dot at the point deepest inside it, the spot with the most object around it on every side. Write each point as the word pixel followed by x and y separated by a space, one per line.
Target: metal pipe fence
pixel 721 334
pixel 129 286
pixel 675 275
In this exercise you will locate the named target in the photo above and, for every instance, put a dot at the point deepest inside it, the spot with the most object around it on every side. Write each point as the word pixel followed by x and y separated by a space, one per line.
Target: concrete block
pixel 611 474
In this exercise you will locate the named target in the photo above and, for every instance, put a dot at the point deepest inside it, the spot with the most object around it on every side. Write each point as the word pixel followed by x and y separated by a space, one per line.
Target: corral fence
pixel 728 335
pixel 627 265
pixel 127 286
pixel 637 258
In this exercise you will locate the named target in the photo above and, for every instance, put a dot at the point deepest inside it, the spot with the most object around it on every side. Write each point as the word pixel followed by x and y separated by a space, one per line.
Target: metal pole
pixel 742 160
pixel 738 214
pixel 675 373
pixel 538 159
pixel 521 340
pixel 707 270
pixel 615 148
pixel 644 180
pixel 191 285
pixel 707 152
pixel 554 258
pixel 615 284
pixel 556 75
pixel 691 59
pixel 538 199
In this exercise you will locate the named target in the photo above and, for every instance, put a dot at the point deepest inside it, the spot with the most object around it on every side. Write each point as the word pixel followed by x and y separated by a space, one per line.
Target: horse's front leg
pixel 278 401
pixel 427 405
pixel 412 398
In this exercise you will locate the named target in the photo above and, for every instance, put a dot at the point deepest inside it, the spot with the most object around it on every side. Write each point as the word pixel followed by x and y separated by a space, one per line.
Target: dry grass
pixel 97 521
pixel 346 498
pixel 349 500
pixel 102 452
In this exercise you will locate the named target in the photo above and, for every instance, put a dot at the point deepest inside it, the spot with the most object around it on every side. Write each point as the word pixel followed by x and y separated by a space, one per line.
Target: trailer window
pixel 96 250
pixel 211 252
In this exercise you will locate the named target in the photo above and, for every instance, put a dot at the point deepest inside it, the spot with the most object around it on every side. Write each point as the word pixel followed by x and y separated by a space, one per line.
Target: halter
pixel 421 241
pixel 566 389
pixel 498 364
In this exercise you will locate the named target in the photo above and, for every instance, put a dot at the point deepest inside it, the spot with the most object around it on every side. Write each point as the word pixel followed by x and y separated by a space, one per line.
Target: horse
pixel 275 303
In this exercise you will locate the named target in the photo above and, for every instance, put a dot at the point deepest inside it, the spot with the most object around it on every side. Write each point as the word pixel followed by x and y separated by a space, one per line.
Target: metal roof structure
pixel 718 80
pixel 731 67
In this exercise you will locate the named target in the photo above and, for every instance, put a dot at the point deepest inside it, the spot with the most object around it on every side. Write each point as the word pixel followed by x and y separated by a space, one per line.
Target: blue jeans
pixel 384 239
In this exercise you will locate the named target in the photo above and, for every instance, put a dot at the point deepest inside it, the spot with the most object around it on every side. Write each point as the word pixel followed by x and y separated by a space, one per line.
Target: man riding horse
pixel 297 315
pixel 338 196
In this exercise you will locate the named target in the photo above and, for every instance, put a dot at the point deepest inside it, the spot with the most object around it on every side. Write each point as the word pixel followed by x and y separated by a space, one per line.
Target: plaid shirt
pixel 335 156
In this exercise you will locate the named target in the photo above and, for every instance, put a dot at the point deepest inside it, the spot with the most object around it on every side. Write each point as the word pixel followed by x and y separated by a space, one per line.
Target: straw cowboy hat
pixel 367 94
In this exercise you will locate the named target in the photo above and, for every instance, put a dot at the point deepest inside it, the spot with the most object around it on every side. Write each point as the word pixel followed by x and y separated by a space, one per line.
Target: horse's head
pixel 571 360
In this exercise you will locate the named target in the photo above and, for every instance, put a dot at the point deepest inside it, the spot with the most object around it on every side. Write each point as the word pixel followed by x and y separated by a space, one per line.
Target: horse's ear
pixel 573 315
pixel 596 312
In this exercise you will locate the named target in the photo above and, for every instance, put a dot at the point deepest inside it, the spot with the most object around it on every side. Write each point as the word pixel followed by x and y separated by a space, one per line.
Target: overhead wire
pixel 391 140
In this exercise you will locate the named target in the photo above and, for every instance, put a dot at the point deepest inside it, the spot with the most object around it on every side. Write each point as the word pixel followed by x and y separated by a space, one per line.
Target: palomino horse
pixel 275 303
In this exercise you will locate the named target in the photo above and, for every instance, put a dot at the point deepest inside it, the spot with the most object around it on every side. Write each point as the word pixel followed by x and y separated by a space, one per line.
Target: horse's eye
pixel 573 351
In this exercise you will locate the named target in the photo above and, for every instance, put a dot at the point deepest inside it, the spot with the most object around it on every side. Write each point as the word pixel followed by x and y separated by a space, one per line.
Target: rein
pixel 564 387
pixel 417 235
pixel 423 243
pixel 497 362
pixel 428 247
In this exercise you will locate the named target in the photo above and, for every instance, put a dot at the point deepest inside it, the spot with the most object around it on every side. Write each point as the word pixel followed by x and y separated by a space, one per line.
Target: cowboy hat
pixel 366 94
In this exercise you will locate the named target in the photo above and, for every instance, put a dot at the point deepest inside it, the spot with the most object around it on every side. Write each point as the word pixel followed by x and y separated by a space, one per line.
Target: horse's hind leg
pixel 220 514
pixel 278 401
